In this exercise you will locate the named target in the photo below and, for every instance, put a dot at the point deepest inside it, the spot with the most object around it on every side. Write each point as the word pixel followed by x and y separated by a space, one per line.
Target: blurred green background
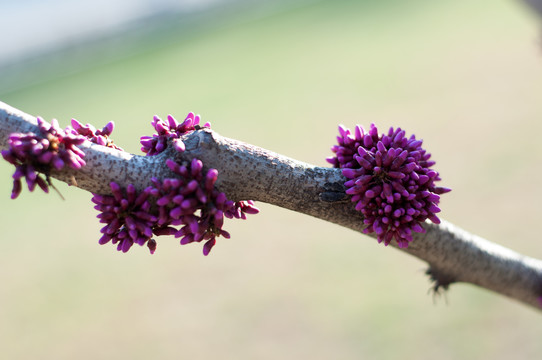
pixel 464 76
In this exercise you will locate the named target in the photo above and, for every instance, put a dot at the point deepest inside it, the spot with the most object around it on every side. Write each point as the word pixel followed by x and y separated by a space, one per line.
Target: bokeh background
pixel 464 76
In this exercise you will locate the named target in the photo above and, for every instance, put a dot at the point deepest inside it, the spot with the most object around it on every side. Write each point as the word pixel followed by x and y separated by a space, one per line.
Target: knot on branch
pixel 440 280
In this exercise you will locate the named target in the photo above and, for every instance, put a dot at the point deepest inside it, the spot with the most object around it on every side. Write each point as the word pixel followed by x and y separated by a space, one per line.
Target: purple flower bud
pixel 176 212
pixel 104 239
pixel 152 245
pixel 125 245
pixel 221 200
pixel 208 246
pixel 42 184
pixel 76 124
pixel 210 179
pixel 160 146
pixel 179 145
pixel 187 124
pixel 350 173
pixel 17 187
pixel 196 167
pixel 108 128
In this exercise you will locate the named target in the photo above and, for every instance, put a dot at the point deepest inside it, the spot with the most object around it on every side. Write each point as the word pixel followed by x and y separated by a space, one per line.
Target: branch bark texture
pixel 250 172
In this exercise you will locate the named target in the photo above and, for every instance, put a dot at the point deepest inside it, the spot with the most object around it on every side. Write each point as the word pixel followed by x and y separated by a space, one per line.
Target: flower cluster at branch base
pixel 187 206
pixel 390 180
pixel 31 154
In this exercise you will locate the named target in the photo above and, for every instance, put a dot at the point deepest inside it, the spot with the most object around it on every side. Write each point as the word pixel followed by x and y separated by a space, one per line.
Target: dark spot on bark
pixel 333 192
pixel 335 186
pixel 330 196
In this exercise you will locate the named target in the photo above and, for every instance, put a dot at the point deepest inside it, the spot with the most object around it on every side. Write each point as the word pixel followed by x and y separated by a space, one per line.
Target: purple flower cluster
pixel 100 137
pixel 187 206
pixel 127 218
pixel 189 201
pixel 390 180
pixel 192 202
pixel 38 153
pixel 170 129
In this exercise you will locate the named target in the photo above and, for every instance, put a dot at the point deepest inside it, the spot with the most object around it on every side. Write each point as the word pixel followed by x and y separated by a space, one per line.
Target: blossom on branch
pixel 194 203
pixel 187 206
pixel 32 154
pixel 170 129
pixel 127 218
pixel 390 179
pixel 100 137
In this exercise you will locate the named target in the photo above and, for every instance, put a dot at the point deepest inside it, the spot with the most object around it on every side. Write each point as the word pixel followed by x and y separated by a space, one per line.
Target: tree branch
pixel 249 172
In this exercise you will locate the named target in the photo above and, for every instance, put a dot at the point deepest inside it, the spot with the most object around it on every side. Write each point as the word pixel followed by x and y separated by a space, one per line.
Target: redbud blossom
pixel 390 181
pixel 100 137
pixel 187 206
pixel 169 129
pixel 32 154
pixel 127 217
